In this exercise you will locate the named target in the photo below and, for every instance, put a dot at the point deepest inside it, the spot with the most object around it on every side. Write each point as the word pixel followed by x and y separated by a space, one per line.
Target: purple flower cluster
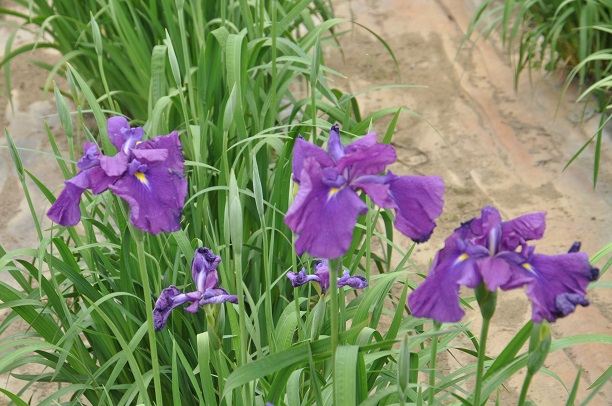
pixel 146 174
pixel 208 291
pixel 487 250
pixel 321 277
pixel 326 207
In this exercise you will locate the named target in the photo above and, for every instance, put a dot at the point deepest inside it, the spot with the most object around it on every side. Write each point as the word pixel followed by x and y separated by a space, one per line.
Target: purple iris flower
pixel 485 249
pixel 321 276
pixel 208 291
pixel 146 174
pixel 326 207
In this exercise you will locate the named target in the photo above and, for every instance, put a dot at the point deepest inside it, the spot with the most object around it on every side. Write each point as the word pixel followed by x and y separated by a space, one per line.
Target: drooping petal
pixel 168 300
pixel 156 198
pixel 217 295
pixel 437 297
pixel 524 228
pixel 419 202
pixel 558 284
pixel 204 269
pixel 301 278
pixel 355 282
pixel 323 217
pixel 81 180
pixel 65 210
pixel 458 263
pixel 304 149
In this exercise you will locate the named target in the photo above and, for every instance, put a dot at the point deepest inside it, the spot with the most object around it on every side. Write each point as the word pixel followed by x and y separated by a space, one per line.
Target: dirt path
pixel 491 145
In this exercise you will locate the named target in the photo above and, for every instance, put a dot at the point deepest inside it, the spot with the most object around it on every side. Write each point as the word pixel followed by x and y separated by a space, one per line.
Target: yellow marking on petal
pixel 141 177
pixel 332 192
pixel 138 142
pixel 528 267
pixel 460 259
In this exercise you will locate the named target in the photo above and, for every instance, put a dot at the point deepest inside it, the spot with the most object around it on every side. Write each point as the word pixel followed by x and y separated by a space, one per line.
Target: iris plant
pixel 148 175
pixel 208 291
pixel 487 251
pixel 321 277
pixel 326 207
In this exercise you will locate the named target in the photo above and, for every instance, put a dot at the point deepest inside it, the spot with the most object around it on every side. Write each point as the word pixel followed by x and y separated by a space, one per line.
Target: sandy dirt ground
pixel 491 145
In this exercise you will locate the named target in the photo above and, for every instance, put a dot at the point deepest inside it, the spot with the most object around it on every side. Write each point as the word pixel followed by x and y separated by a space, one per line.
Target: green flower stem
pixel 432 365
pixel 539 346
pixel 334 264
pixel 268 300
pixel 139 237
pixel 525 388
pixel 218 359
pixel 481 357
pixel 487 301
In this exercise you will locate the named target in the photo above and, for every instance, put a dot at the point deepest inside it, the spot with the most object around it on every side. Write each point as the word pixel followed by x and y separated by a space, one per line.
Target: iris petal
pixel 155 206
pixel 485 249
pixel 204 269
pixel 204 272
pixel 304 149
pixel 524 228
pixel 65 210
pixel 419 201
pixel 367 161
pixel 167 301
pixel 313 208
pixel 355 281
pixel 121 135
pixel 559 286
pixel 301 278
pixel 334 146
